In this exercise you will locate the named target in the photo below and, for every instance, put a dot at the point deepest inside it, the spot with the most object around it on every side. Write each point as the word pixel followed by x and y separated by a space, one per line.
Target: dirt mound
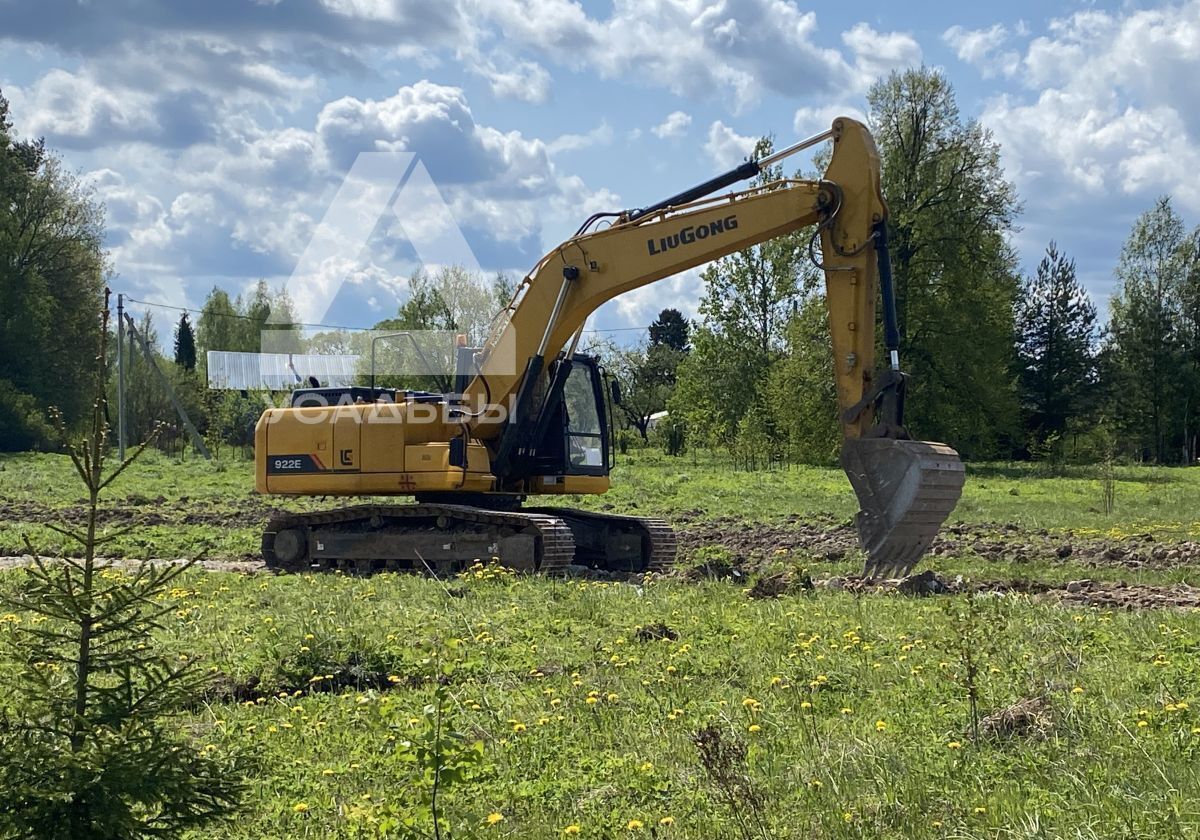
pixel 825 539
pixel 1031 717
pixel 1011 544
pixel 749 544
pixel 1079 593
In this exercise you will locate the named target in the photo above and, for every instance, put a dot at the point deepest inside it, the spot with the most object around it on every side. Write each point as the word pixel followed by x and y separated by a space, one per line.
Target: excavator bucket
pixel 905 489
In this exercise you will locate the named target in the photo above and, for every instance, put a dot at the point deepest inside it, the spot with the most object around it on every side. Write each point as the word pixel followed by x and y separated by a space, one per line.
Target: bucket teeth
pixel 905 489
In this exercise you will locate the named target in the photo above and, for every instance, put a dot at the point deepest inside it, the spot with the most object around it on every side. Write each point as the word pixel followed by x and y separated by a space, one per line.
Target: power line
pixel 241 317
pixel 324 326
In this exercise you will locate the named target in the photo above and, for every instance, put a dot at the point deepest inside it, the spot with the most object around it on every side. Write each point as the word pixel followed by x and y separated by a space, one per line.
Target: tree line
pixel 1003 366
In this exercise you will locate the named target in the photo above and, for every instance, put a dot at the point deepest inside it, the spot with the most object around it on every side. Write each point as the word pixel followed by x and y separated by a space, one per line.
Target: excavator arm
pixel 905 488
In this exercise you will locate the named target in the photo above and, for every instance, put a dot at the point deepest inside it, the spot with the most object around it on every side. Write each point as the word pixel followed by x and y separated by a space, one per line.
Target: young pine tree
pixel 90 746
pixel 185 344
pixel 1056 328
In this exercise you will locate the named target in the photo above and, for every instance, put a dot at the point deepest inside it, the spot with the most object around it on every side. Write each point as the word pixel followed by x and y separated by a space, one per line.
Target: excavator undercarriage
pixel 443 539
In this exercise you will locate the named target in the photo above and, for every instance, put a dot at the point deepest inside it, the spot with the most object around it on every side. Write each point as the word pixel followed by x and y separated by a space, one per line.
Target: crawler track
pixel 445 539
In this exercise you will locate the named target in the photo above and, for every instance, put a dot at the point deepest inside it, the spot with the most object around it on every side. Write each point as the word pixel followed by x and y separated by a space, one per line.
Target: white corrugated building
pixel 233 371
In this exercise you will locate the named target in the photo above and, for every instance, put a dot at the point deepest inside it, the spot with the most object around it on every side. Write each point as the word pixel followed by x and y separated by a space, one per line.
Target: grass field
pixel 679 707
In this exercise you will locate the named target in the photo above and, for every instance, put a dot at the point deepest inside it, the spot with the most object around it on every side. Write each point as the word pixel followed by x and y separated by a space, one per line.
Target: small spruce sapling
pixel 90 743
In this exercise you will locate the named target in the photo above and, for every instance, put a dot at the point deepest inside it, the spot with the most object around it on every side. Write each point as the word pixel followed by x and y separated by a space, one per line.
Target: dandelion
pixel 591 701
pixel 518 727
pixel 667 821
pixel 754 727
pixel 634 825
pixel 846 710
pixel 300 807
pixel 954 745
pixel 1077 690
pixel 979 809
pixel 1142 724
pixel 494 817
pixel 647 767
pixel 328 771
pixel 815 784
pixel 571 830
pixel 880 726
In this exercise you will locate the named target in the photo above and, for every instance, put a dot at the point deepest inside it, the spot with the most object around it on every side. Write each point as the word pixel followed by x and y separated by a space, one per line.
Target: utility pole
pixel 121 376
pixel 197 441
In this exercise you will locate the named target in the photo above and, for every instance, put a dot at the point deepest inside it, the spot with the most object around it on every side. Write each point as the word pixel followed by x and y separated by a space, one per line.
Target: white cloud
pixel 247 203
pixel 983 49
pixel 601 135
pixel 1115 107
pixel 878 53
pixel 77 111
pixel 726 147
pixel 675 125
pixel 735 49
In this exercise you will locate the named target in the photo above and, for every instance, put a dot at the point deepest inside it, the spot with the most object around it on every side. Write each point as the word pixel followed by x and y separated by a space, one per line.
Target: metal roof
pixel 233 371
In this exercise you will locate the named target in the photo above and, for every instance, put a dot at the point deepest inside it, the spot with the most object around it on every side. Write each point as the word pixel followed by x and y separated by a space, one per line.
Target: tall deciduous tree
pixel 1056 331
pixel 647 377
pixel 749 299
pixel 1146 332
pixel 956 278
pixel 219 325
pixel 52 271
pixel 185 344
pixel 800 389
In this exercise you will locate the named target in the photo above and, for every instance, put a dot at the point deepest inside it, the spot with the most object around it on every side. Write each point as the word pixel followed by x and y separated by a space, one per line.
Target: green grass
pixel 221 495
pixel 858 704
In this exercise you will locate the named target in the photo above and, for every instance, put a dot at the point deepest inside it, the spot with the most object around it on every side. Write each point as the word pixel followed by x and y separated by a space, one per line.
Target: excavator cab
pixel 575 435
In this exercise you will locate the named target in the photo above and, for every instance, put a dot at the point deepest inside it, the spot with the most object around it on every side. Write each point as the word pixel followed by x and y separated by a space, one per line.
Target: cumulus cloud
pixel 1114 108
pixel 251 201
pixel 675 125
pixel 736 49
pixel 878 53
pixel 726 147
pixel 223 134
pixel 984 49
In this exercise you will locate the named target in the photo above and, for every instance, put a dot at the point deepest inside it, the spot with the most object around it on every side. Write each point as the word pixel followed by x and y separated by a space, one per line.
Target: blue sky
pixel 217 133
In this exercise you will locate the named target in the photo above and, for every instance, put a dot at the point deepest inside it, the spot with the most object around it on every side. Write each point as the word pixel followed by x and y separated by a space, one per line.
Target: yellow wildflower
pixel 494 818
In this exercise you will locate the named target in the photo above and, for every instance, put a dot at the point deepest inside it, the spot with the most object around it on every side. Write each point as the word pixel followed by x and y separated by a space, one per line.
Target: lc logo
pixel 346 457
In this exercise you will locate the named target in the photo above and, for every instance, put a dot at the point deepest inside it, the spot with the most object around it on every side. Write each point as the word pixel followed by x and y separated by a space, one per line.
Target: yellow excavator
pixel 530 416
